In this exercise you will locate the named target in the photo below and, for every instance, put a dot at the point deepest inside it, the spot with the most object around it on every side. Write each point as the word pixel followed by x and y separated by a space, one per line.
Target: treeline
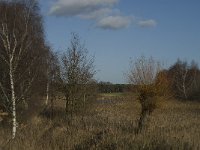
pixel 31 73
pixel 184 80
pixel 181 80
pixel 108 87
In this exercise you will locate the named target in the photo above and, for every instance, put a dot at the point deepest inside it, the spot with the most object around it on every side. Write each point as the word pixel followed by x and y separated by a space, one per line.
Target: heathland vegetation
pixel 50 100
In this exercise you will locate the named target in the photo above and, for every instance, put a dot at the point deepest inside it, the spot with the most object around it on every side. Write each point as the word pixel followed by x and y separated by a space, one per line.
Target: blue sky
pixel 116 31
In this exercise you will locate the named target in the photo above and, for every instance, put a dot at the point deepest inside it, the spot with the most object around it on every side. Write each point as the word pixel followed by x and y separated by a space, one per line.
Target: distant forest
pixel 182 81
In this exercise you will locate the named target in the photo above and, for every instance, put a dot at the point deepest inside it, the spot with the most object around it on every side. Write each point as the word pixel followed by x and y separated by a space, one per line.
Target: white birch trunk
pixel 184 91
pixel 13 99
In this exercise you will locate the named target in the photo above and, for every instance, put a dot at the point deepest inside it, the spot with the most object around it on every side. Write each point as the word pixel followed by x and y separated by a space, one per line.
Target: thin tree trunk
pixel 67 105
pixel 47 96
pixel 52 108
pixel 84 100
pixel 14 120
pixel 184 91
pixel 184 88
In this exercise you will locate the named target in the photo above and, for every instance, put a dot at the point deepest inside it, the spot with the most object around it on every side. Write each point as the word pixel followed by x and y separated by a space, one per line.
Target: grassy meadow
pixel 110 124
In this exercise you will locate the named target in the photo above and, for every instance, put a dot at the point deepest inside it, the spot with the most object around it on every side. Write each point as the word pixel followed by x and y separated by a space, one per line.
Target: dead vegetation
pixel 173 125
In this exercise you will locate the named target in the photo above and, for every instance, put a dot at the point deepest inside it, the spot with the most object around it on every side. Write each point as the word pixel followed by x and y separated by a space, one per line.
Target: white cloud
pixel 101 12
pixel 69 8
pixel 114 22
pixel 147 23
pixel 97 14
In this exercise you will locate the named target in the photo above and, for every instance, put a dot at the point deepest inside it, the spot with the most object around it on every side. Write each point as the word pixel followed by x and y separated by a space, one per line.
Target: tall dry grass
pixel 111 124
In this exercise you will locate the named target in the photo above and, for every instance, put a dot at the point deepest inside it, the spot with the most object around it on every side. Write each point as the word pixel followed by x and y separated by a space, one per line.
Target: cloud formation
pixel 96 14
pixel 114 22
pixel 69 8
pixel 101 12
pixel 147 23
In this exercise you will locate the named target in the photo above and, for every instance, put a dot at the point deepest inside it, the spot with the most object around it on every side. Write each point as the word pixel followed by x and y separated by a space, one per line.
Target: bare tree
pixel 21 39
pixel 77 72
pixel 143 73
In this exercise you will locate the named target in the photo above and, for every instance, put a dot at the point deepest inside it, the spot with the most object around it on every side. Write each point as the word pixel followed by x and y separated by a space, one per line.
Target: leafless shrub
pixel 143 74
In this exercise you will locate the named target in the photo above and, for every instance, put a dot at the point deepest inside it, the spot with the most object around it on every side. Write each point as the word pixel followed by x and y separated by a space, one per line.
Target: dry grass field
pixel 110 124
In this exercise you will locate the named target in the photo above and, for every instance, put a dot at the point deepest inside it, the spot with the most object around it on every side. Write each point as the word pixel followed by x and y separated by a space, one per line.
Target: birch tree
pixel 53 81
pixel 52 73
pixel 21 39
pixel 183 78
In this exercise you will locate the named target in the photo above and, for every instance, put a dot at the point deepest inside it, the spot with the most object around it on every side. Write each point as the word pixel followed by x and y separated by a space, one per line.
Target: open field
pixel 111 125
pixel 106 95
